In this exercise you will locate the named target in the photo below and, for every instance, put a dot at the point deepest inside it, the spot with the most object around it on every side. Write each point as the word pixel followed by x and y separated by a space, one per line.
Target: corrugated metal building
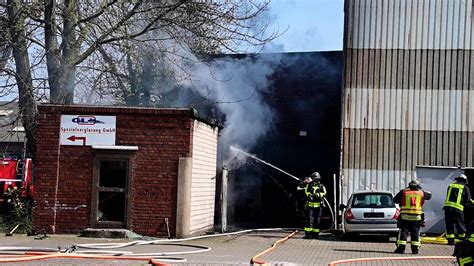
pixel 408 90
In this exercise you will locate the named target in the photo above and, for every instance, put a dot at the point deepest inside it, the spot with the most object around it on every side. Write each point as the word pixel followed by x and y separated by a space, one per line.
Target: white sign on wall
pixel 87 130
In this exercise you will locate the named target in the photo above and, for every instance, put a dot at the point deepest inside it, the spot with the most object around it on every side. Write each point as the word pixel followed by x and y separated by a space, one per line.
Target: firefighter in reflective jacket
pixel 458 196
pixel 315 192
pixel 464 251
pixel 411 201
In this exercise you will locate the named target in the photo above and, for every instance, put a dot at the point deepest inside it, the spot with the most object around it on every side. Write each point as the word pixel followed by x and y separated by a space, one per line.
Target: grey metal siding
pixel 408 90
pixel 409 24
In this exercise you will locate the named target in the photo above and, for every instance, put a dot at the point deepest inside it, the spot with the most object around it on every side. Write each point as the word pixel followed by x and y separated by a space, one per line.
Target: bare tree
pixel 56 45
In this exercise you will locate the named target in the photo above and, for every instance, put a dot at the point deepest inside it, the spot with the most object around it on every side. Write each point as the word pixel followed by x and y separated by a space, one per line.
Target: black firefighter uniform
pixel 314 196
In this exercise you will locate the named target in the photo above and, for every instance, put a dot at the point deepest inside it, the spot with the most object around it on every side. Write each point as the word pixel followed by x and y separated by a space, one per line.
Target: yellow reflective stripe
pixel 465 260
pixel 411 211
pixel 471 239
pixel 314 204
pixel 449 235
pixel 456 204
pixel 307 229
pixel 408 198
pixel 410 217
pixel 315 230
pixel 416 243
pixel 461 235
pixel 407 206
pixel 401 242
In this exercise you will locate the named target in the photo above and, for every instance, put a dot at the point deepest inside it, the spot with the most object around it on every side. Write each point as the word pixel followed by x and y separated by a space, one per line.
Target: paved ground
pixel 239 249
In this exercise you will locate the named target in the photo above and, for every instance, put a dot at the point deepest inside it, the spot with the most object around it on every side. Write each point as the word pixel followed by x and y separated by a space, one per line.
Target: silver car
pixel 371 212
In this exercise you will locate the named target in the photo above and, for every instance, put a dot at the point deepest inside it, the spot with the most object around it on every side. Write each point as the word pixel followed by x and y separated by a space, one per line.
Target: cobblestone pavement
pixel 239 249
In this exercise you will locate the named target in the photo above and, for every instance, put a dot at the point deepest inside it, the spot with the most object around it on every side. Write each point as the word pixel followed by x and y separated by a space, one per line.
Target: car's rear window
pixel 372 200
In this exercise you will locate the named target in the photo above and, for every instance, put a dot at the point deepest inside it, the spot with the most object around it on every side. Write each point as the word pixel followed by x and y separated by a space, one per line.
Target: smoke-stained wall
pixel 408 90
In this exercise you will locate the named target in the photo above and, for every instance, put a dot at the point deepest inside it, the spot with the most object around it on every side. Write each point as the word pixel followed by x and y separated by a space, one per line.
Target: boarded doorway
pixel 110 191
pixel 469 212
pixel 436 179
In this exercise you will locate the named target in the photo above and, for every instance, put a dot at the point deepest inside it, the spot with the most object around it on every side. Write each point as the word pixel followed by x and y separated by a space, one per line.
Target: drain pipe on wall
pixel 56 189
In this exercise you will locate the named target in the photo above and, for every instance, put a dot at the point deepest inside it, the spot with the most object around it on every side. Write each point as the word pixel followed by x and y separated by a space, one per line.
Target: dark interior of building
pixel 306 96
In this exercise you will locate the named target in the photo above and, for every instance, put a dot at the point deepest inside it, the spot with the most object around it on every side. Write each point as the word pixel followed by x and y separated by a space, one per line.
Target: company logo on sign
pixel 86 120
pixel 87 130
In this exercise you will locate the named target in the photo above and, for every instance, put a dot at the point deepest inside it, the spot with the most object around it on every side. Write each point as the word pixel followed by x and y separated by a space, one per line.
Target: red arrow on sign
pixel 74 138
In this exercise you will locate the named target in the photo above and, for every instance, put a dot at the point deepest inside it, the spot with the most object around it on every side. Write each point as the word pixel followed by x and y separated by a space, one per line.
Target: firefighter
pixel 457 197
pixel 315 192
pixel 411 200
pixel 464 251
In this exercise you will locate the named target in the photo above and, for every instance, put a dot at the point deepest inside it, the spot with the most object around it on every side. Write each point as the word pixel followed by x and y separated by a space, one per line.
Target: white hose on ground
pixel 158 241
pixel 32 253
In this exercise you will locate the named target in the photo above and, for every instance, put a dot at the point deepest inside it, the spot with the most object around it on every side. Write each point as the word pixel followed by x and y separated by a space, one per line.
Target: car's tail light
pixel 397 212
pixel 349 215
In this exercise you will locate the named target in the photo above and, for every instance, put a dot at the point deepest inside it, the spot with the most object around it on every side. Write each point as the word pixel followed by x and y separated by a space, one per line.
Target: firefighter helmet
pixel 315 175
pixel 462 178
pixel 414 184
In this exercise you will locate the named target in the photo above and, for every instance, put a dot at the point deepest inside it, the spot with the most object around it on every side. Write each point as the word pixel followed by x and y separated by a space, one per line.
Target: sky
pixel 313 25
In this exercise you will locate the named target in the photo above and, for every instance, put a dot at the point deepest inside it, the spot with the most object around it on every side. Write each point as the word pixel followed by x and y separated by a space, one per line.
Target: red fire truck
pixel 16 173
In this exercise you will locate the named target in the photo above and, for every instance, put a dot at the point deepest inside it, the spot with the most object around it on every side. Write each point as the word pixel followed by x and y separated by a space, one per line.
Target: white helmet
pixel 462 178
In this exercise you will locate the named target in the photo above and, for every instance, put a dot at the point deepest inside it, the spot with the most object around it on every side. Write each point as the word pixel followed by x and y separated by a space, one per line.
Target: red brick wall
pixel 162 136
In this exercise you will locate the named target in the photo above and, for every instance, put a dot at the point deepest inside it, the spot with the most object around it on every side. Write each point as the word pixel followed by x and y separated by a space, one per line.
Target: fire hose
pixel 98 252
pixel 441 239
pixel 255 260
pixel 337 262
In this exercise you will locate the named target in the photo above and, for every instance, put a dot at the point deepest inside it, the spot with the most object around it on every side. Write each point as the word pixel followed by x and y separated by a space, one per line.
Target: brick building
pixel 143 169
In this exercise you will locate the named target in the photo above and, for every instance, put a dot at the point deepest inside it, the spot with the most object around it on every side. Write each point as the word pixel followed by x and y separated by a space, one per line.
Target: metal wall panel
pixel 408 90
pixel 409 24
pixel 404 149
pixel 447 110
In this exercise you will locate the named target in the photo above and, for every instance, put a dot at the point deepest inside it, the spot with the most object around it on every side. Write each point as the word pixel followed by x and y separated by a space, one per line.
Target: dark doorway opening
pixel 110 191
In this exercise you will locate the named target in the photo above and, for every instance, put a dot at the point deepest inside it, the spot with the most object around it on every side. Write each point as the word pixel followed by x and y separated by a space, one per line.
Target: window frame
pixel 96 189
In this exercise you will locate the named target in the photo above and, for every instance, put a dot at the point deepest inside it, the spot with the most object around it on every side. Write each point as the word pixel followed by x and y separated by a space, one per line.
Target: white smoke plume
pixel 236 86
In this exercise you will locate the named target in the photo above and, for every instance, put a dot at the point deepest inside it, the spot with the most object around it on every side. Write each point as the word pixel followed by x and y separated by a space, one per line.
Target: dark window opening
pixel 113 174
pixel 111 206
